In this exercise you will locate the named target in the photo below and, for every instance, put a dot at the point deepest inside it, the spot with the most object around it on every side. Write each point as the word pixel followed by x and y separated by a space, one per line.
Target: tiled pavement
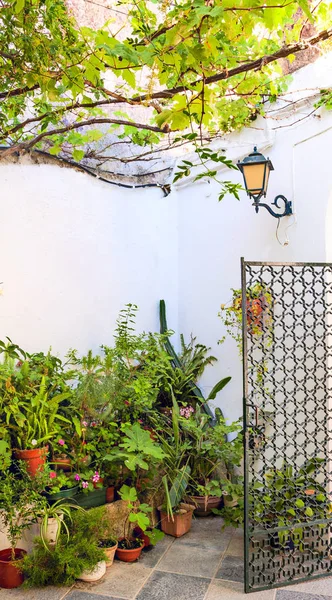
pixel 205 564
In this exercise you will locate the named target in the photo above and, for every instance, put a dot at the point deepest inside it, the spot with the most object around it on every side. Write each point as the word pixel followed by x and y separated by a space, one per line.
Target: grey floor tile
pixel 236 546
pixel 293 595
pixel 151 557
pixel 230 590
pixel 190 560
pixel 79 595
pixel 46 593
pixel 321 586
pixel 232 569
pixel 169 586
pixel 207 533
pixel 122 580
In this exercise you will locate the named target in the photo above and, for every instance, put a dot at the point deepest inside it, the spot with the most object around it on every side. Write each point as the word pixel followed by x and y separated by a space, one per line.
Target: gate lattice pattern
pixel 287 351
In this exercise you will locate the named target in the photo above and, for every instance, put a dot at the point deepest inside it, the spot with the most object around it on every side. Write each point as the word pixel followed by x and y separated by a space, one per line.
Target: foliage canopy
pixel 180 71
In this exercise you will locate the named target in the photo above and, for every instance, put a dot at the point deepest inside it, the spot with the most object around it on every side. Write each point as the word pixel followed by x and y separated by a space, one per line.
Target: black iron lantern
pixel 255 169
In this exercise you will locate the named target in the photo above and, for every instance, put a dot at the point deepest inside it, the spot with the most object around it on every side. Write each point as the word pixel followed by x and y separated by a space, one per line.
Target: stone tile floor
pixel 205 564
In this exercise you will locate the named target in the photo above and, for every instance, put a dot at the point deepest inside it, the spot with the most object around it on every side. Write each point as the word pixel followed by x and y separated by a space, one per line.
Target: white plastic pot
pixel 52 529
pixel 95 574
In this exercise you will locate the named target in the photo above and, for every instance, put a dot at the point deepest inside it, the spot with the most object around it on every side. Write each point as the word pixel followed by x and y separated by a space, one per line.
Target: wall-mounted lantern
pixel 255 169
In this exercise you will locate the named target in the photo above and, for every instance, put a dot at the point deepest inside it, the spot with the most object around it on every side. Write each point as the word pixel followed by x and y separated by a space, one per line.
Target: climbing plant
pixel 184 72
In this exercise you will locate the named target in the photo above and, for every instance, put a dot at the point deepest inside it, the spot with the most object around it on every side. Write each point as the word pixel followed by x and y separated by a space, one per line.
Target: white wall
pixel 74 250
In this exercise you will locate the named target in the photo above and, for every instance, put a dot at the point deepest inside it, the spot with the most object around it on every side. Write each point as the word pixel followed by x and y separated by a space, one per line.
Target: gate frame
pixel 246 536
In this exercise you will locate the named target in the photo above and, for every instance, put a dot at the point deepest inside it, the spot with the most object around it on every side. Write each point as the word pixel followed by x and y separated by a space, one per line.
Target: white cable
pixel 286 242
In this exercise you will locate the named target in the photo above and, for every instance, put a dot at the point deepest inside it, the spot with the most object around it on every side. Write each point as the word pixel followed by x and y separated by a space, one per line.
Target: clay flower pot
pixel 95 574
pixel 181 522
pixel 110 491
pixel 62 463
pixel 34 459
pixel 129 555
pixel 110 553
pixel 10 575
pixel 205 504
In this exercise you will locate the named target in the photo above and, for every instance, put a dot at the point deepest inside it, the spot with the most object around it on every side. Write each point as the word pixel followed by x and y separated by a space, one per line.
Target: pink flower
pixel 77 477
pixel 93 424
pixel 52 475
pixel 61 442
pixel 84 423
pixel 85 484
pixel 96 477
pixel 186 411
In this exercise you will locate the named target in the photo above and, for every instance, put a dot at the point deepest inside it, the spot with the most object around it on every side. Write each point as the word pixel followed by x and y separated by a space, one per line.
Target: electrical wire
pixel 166 188
pixel 286 242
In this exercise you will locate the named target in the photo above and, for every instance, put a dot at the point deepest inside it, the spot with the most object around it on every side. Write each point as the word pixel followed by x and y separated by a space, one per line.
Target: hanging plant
pixel 258 313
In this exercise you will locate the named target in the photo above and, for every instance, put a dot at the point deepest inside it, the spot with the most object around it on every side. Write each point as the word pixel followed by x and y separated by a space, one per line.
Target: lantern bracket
pixel 287 210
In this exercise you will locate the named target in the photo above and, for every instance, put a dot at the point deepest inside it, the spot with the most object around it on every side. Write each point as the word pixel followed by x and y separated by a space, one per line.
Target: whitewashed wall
pixel 74 250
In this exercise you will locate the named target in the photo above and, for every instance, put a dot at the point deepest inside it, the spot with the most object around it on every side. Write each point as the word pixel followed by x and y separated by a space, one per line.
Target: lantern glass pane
pixel 254 178
pixel 267 175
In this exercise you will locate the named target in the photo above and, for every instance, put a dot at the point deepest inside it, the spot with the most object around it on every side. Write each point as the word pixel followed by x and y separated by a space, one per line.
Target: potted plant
pixel 58 485
pixel 109 545
pixel 53 520
pixel 176 515
pixel 129 547
pixel 209 453
pixel 259 304
pixel 34 419
pixel 19 505
pixel 208 497
pixel 76 555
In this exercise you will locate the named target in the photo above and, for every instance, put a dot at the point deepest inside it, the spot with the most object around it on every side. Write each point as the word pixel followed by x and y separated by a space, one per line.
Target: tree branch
pixel 28 145
pixel 253 65
pixel 18 91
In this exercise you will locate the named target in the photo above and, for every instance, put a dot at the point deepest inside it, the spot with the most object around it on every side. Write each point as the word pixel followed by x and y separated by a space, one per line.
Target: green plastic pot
pixel 91 499
pixel 63 494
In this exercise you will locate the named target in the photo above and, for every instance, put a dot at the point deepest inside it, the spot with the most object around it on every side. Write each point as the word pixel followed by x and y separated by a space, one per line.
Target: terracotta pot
pixel 128 555
pixel 180 524
pixel 35 459
pixel 110 491
pixel 205 504
pixel 62 463
pixel 110 553
pixel 95 574
pixel 10 575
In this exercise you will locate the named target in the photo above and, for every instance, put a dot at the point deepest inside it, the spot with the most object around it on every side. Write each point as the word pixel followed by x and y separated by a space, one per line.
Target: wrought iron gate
pixel 287 358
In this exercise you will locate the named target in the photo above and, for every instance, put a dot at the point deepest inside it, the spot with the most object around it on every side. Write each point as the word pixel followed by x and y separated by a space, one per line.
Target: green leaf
pixel 299 503
pixel 78 155
pixel 304 4
pixel 218 387
pixel 19 6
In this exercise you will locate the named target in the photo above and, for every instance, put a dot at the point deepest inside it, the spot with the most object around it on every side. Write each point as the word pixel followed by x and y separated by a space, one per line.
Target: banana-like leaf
pixel 179 486
pixel 218 387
